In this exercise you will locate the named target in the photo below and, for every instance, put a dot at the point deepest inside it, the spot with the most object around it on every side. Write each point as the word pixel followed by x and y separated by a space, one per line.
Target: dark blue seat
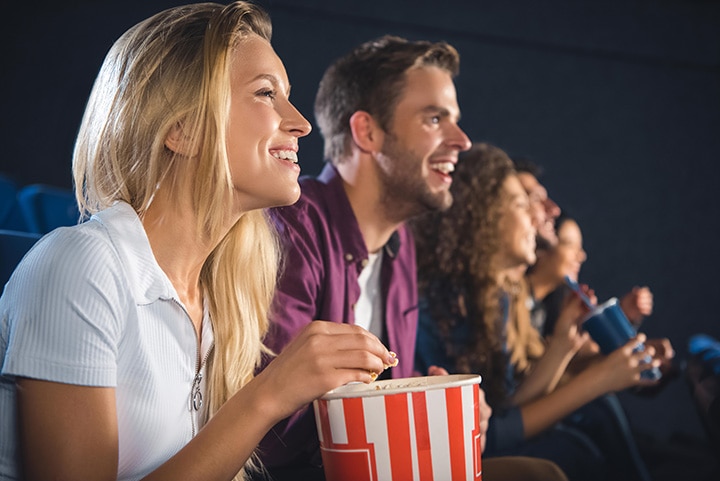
pixel 703 374
pixel 46 207
pixel 13 246
pixel 706 349
pixel 11 217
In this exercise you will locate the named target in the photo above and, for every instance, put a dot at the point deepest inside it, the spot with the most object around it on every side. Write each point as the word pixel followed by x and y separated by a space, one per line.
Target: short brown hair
pixel 371 78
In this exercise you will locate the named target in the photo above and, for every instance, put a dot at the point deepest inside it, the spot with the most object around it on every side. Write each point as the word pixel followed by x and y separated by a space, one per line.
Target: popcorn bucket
pixel 412 429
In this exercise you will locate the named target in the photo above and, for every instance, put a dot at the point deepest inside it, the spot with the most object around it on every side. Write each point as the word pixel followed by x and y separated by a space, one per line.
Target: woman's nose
pixel 295 122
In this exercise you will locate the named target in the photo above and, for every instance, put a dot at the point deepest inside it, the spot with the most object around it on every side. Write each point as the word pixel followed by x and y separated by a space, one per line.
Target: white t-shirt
pixel 89 305
pixel 369 310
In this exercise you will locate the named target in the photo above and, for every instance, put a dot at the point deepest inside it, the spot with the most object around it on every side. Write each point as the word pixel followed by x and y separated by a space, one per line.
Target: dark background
pixel 619 101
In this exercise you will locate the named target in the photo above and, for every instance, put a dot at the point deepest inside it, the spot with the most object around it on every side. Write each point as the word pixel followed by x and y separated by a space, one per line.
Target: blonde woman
pixel 129 341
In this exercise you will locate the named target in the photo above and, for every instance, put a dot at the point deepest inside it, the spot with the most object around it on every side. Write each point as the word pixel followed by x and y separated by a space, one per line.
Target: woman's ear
pixel 179 142
pixel 366 133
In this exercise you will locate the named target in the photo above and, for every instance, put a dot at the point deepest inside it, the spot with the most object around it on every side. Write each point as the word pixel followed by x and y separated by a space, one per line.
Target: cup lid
pixel 600 308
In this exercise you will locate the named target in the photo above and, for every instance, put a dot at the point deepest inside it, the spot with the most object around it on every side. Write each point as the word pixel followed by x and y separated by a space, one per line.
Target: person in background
pixel 637 304
pixel 546 278
pixel 547 275
pixel 129 342
pixel 561 254
pixel 543 209
pixel 474 319
pixel 389 115
pixel 604 419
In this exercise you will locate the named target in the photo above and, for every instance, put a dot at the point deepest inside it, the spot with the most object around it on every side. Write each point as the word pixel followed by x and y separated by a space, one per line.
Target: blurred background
pixel 618 101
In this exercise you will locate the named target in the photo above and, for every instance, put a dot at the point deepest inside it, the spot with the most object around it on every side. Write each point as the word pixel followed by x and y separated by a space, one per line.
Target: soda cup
pixel 610 328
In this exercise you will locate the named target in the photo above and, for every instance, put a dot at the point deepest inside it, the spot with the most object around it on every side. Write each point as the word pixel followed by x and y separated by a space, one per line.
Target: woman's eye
pixel 270 93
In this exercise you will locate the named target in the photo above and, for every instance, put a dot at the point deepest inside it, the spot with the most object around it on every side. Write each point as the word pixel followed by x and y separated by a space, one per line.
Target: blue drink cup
pixel 610 329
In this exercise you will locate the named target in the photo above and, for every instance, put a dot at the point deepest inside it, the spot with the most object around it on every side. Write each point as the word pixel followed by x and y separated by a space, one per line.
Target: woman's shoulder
pixel 67 254
pixel 72 245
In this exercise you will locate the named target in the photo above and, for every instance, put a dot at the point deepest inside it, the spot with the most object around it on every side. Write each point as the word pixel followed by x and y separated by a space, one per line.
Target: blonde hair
pixel 524 342
pixel 173 69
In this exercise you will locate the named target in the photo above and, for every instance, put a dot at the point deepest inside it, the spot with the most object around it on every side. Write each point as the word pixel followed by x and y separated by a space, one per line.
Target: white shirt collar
pixel 128 235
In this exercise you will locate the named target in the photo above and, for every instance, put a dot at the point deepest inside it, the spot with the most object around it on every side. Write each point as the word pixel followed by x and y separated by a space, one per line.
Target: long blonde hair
pixel 524 342
pixel 174 69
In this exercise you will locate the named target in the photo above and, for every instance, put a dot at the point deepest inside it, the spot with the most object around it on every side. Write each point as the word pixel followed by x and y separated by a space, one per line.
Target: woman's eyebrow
pixel 273 79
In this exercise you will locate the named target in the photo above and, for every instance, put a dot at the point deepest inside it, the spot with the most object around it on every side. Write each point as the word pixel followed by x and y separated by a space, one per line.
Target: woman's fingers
pixel 327 337
pixel 437 371
pixel 323 356
pixel 485 413
pixel 623 367
pixel 663 348
pixel 641 360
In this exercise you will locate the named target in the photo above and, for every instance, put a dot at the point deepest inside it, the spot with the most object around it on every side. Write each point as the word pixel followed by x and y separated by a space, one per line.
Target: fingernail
pixel 392 361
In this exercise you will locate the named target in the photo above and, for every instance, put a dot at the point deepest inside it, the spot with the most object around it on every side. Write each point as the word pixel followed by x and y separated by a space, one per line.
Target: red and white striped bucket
pixel 413 429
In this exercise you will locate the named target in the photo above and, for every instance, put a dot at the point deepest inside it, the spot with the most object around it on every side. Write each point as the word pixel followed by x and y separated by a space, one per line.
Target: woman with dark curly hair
pixel 473 319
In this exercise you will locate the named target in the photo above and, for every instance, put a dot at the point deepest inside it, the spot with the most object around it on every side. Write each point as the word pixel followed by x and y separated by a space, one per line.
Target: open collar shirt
pixel 324 255
pixel 89 305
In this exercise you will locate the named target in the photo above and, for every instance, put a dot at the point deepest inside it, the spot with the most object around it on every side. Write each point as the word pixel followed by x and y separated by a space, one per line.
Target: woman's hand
pixel 567 333
pixel 324 356
pixel 664 353
pixel 637 304
pixel 485 409
pixel 622 368
pixel 485 413
pixel 663 349
pixel 437 371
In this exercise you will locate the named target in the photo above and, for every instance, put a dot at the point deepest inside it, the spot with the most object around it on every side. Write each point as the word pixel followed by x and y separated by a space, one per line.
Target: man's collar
pixel 331 177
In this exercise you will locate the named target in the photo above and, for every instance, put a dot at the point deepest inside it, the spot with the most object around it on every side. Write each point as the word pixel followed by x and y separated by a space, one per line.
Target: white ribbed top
pixel 89 305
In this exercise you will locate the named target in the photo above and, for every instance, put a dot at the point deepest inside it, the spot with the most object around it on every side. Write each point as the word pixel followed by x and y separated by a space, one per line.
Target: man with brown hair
pixel 389 116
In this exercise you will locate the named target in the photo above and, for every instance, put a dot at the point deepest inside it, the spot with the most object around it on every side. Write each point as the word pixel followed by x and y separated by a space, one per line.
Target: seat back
pixel 702 369
pixel 46 207
pixel 10 215
pixel 13 246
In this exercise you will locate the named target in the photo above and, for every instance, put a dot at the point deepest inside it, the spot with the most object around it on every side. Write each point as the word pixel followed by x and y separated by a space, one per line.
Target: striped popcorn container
pixel 412 429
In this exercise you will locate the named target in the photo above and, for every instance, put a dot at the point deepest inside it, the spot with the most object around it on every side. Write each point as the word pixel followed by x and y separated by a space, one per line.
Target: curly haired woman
pixel 473 319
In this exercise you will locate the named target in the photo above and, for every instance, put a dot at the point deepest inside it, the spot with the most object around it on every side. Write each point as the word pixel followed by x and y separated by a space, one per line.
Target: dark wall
pixel 618 101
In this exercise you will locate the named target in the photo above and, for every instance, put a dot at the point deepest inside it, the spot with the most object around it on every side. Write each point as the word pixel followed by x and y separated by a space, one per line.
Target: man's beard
pixel 405 193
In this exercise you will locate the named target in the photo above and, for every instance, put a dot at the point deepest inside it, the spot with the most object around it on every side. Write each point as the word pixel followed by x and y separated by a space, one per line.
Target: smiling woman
pixel 564 259
pixel 474 318
pixel 263 128
pixel 129 343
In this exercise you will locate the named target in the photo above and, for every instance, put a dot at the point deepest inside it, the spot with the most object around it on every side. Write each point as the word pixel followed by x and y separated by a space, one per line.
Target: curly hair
pixel 456 254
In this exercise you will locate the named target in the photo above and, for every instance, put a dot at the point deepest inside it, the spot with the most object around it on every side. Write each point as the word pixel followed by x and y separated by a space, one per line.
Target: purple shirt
pixel 324 255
